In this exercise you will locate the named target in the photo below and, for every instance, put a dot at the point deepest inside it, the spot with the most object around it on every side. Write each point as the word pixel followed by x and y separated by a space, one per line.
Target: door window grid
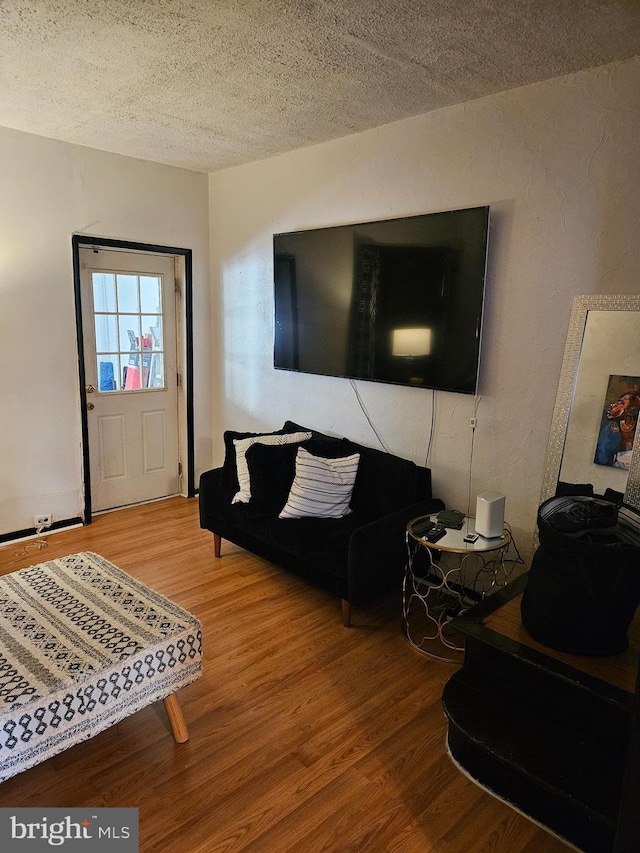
pixel 128 323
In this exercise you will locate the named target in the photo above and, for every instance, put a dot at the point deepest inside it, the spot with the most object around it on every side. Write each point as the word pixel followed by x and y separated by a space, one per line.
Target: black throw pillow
pixel 229 470
pixel 290 426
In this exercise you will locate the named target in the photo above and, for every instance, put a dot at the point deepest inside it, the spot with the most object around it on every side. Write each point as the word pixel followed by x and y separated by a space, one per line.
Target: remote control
pixel 434 535
pixel 436 532
pixel 423 526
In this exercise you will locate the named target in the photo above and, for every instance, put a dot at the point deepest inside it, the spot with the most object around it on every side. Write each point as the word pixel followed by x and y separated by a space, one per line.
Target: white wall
pixel 558 164
pixel 51 190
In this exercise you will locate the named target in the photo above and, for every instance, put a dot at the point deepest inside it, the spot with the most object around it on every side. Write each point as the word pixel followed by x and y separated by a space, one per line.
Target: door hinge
pixel 179 380
pixel 177 287
pixel 179 469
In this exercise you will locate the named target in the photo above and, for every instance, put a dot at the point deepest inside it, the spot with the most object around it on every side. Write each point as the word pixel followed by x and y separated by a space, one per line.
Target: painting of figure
pixel 619 422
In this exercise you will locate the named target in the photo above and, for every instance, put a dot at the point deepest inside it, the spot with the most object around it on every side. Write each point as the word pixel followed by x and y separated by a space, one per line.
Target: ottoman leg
pixel 176 718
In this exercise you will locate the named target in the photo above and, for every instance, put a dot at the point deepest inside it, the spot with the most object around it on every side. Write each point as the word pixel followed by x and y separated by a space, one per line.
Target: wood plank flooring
pixel 305 735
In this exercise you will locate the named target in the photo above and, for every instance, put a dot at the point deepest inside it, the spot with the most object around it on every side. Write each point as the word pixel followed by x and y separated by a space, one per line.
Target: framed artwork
pixel 619 422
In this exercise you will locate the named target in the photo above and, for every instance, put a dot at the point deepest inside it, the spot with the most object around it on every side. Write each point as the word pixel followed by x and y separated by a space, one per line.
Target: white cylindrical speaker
pixel 490 514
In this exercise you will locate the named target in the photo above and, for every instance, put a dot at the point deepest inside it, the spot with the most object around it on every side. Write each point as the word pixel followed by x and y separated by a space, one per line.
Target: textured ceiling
pixel 206 84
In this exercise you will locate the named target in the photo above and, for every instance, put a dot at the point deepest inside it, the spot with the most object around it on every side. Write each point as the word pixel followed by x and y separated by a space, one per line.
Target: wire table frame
pixel 443 579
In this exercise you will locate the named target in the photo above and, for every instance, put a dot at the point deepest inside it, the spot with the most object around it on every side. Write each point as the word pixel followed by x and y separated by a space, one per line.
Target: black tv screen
pixel 397 301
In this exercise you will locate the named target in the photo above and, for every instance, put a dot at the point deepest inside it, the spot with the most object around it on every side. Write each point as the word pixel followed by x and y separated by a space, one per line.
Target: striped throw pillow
pixel 243 495
pixel 321 487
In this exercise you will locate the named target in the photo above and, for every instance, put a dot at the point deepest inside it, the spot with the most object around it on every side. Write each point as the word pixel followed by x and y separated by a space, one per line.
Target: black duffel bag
pixel 584 583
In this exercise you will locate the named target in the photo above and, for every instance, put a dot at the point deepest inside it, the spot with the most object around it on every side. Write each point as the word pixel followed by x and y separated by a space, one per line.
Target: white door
pixel 129 329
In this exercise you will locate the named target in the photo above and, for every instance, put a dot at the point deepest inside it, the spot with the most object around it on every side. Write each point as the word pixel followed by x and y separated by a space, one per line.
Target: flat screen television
pixel 396 301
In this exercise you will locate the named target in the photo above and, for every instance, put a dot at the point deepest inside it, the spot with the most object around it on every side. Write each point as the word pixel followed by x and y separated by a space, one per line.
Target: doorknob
pixel 90 389
pixel 90 407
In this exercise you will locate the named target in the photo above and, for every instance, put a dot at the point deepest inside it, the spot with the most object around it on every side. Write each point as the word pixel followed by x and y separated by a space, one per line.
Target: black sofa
pixel 357 557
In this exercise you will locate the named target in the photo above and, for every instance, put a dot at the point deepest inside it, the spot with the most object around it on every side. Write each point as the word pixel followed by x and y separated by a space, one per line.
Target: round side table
pixel 455 576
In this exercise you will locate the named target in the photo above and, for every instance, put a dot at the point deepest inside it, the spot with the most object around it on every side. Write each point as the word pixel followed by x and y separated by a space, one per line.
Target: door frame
pixel 185 352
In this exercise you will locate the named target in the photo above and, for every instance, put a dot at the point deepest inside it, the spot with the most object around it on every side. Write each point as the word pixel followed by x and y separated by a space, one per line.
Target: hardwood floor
pixel 305 735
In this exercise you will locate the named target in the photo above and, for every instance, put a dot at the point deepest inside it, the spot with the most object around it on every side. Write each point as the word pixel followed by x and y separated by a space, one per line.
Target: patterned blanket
pixel 83 645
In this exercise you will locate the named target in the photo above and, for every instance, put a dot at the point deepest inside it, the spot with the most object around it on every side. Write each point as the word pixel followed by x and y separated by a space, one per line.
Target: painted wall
pixel 558 164
pixel 51 190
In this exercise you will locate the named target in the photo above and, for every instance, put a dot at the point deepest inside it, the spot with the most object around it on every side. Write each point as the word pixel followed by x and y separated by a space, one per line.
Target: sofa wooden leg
pixel 217 544
pixel 346 613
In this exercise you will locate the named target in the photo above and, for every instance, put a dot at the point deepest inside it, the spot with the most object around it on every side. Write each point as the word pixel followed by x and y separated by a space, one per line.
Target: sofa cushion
pixel 320 542
pixel 322 487
pixel 385 483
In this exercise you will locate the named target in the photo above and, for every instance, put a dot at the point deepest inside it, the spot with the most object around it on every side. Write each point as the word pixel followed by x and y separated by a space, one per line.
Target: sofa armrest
pixel 378 551
pixel 209 490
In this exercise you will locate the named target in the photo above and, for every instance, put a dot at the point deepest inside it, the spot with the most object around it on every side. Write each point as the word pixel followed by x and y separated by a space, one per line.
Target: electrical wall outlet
pixel 42 520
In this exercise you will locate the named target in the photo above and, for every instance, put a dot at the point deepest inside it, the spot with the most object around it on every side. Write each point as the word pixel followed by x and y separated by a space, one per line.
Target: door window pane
pixel 106 333
pixel 104 291
pixel 156 371
pixel 150 294
pixel 124 364
pixel 128 324
pixel 129 333
pixel 152 328
pixel 128 301
pixel 108 372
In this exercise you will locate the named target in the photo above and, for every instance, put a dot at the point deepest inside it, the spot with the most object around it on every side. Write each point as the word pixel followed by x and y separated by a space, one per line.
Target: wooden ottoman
pixel 83 645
